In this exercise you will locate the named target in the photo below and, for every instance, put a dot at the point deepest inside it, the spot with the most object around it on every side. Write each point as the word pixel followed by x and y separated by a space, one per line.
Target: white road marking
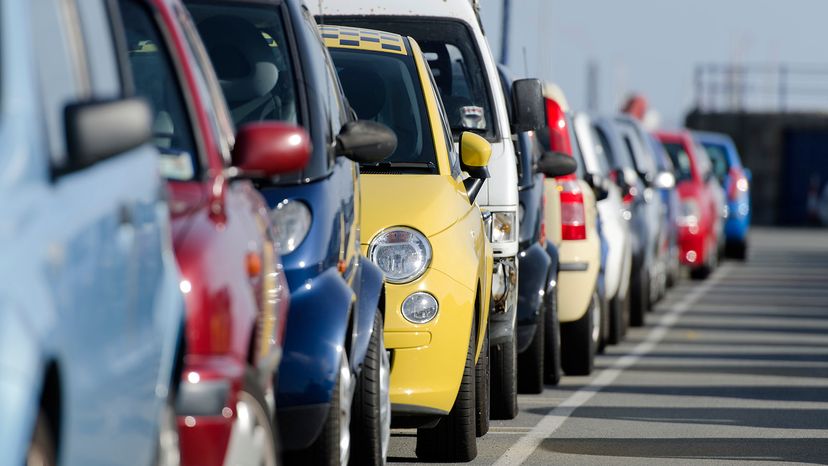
pixel 554 419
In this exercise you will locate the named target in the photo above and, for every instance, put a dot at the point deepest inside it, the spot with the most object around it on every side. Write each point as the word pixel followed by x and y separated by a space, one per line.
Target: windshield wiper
pixel 400 165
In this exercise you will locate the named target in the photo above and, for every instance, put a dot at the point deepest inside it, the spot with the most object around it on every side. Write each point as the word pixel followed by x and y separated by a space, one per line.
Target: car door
pixel 99 215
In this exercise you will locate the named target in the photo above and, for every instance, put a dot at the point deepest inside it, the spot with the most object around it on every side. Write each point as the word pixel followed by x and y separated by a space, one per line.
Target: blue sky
pixel 652 46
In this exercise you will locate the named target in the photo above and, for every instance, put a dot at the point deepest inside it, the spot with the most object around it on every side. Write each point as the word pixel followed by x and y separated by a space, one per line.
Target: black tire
pixel 603 331
pixel 619 319
pixel 640 299
pixel 700 273
pixel 42 446
pixel 503 360
pixel 531 362
pixel 370 427
pixel 453 438
pixel 737 250
pixel 325 450
pixel 578 345
pixel 552 369
pixel 482 385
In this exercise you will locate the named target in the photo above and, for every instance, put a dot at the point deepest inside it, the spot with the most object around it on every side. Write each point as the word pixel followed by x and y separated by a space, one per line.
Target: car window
pixel 454 158
pixel 248 47
pixel 576 149
pixel 719 159
pixel 155 79
pixel 618 157
pixel 600 153
pixel 452 55
pixel 385 88
pixel 681 160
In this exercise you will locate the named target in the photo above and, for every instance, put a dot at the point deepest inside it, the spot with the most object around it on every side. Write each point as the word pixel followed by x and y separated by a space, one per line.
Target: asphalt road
pixel 730 370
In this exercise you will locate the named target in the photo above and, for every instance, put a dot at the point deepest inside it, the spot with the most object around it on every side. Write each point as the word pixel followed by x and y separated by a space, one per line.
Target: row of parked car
pixel 223 217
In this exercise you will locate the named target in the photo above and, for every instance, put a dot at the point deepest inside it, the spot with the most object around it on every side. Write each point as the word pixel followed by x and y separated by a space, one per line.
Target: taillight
pixel 738 184
pixel 629 195
pixel 573 214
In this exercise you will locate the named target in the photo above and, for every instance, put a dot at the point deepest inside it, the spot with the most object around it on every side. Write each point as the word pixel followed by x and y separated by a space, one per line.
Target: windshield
pixel 681 160
pixel 450 50
pixel 719 159
pixel 385 88
pixel 250 52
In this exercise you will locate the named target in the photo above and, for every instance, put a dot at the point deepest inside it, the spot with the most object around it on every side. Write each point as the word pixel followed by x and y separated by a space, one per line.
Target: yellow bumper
pixel 580 261
pixel 428 359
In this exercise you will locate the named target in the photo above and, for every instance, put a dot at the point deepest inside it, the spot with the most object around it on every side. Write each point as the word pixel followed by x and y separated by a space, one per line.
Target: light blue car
pixel 90 308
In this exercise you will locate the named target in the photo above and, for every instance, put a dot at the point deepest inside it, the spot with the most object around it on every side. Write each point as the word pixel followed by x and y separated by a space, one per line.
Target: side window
pixel 61 80
pixel 155 79
pixel 337 107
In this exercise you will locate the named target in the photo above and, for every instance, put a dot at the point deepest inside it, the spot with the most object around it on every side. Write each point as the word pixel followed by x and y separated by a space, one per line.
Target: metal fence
pixel 761 87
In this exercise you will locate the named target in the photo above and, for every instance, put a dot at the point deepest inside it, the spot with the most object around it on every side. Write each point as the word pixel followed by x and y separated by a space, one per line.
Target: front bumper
pixel 533 283
pixel 503 314
pixel 580 263
pixel 428 359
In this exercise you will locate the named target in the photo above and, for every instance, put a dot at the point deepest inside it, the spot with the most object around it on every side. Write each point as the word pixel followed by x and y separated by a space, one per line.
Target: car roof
pixel 343 37
pixel 460 9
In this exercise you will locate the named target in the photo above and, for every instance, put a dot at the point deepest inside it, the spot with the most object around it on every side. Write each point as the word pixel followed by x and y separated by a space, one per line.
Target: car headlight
pixel 689 215
pixel 502 227
pixel 401 253
pixel 291 221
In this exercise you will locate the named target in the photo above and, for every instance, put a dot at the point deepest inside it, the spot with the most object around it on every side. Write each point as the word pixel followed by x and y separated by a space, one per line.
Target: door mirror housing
pixel 555 164
pixel 99 129
pixel 265 149
pixel 529 112
pixel 474 155
pixel 665 180
pixel 599 185
pixel 365 141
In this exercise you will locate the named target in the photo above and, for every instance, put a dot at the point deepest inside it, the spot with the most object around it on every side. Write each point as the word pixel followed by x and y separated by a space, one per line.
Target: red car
pixel 232 280
pixel 699 219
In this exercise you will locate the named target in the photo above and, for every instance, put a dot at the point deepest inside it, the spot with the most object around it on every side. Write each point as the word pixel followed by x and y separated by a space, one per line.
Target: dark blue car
pixel 332 396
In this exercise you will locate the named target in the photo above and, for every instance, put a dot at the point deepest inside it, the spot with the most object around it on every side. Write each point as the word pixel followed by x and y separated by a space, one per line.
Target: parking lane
pixel 741 374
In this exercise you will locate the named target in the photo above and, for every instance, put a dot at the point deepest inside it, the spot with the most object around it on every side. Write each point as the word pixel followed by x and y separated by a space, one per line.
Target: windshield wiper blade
pixel 401 165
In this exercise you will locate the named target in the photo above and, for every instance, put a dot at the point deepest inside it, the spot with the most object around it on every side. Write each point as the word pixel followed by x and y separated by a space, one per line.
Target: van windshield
pixel 449 47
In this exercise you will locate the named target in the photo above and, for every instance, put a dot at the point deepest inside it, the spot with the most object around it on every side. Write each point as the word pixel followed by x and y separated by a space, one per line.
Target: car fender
pixel 370 281
pixel 535 266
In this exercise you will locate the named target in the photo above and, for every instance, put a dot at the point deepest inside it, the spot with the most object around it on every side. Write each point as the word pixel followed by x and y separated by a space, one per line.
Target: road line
pixel 554 419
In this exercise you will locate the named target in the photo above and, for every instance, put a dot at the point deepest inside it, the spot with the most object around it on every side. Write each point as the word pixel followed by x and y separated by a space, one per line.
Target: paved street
pixel 733 369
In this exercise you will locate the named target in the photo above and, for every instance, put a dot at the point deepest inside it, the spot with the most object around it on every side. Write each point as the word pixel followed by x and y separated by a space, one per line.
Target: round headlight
pixel 420 307
pixel 291 221
pixel 401 253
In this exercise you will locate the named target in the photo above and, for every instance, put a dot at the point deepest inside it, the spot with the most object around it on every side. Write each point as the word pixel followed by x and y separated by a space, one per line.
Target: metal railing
pixel 761 87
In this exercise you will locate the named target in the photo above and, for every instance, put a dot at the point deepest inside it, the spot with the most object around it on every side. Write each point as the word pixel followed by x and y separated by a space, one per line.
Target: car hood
pixel 427 203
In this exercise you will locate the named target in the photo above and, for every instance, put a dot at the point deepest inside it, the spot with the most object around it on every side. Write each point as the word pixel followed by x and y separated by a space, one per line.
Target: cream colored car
pixel 571 216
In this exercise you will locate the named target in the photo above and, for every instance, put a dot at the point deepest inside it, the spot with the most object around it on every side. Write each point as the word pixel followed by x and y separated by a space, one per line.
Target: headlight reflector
pixel 401 253
pixel 291 220
pixel 420 307
pixel 502 227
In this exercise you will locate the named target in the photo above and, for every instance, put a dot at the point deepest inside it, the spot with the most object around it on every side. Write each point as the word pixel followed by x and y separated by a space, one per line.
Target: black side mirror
pixel 555 164
pixel 365 141
pixel 97 130
pixel 527 104
pixel 599 185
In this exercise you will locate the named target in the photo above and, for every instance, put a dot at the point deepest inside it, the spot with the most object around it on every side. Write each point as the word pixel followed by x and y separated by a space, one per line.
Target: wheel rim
pixel 596 320
pixel 345 398
pixel 385 398
pixel 251 437
pixel 169 453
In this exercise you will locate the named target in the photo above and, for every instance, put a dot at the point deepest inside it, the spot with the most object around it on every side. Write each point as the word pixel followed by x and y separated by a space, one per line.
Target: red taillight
pixel 573 214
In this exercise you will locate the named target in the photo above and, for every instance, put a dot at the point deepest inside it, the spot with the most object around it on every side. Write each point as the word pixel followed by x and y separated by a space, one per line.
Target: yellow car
pixel 428 236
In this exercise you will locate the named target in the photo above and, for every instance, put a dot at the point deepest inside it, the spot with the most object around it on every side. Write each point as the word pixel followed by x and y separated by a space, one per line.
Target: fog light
pixel 419 307
pixel 691 256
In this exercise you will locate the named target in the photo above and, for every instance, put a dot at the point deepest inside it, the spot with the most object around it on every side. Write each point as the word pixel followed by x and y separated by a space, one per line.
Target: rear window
pixel 681 160
pixel 386 88
pixel 719 159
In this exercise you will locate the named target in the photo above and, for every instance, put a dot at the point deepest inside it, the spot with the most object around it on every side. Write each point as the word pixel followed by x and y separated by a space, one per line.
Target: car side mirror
pixel 99 129
pixel 529 112
pixel 555 164
pixel 475 152
pixel 599 186
pixel 665 180
pixel 265 149
pixel 365 141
